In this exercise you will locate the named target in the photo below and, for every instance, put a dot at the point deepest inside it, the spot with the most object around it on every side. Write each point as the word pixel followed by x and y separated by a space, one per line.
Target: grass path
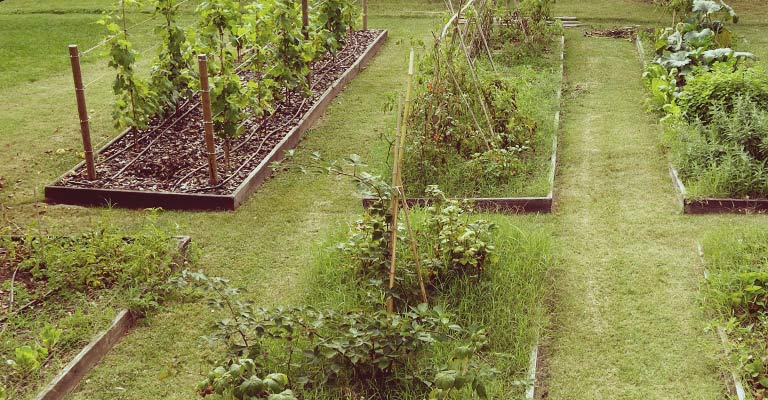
pixel 627 324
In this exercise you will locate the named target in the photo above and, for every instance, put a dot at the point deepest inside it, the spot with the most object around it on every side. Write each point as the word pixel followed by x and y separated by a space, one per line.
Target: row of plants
pixel 440 304
pixel 483 103
pixel 714 102
pixel 736 294
pixel 60 290
pixel 258 54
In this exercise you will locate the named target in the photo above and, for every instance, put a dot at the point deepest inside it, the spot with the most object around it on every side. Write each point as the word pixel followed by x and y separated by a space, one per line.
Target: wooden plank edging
pixel 102 343
pixel 715 205
pixel 125 198
pixel 533 361
pixel 88 357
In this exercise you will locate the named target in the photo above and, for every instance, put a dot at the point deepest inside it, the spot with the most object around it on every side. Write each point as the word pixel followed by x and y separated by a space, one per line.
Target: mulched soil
pixel 170 156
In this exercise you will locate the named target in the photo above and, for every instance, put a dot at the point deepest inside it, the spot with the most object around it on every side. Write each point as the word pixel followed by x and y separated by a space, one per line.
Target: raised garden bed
pixel 698 204
pixel 514 205
pixel 61 311
pixel 715 205
pixel 180 181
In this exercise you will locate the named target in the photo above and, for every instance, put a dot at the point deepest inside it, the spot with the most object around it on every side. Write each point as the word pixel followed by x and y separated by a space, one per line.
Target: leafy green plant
pixel 30 357
pixel 334 18
pixel 720 87
pixel 140 264
pixel 464 373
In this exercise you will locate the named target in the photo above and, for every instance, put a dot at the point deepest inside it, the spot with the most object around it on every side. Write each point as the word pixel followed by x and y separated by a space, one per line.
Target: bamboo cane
pixel 205 91
pixel 82 111
pixel 396 179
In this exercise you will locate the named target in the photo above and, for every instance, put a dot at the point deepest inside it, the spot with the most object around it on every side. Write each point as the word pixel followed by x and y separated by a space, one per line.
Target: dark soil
pixel 170 156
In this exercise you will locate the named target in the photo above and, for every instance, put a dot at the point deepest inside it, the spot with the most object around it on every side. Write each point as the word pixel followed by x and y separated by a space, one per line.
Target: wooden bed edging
pixel 513 205
pixel 715 205
pixel 125 198
pixel 101 344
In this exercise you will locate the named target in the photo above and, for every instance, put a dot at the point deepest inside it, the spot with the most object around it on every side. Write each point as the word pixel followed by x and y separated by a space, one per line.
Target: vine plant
pixel 136 102
pixel 170 74
pixel 291 52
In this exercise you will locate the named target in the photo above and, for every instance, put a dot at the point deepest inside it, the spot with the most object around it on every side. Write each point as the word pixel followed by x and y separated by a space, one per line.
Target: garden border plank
pixel 714 205
pixel 101 344
pixel 123 198
pixel 513 205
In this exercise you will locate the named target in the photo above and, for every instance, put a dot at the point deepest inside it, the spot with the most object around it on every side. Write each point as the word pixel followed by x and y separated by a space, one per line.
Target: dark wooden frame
pixel 56 193
pixel 514 205
pixel 101 344
pixel 714 205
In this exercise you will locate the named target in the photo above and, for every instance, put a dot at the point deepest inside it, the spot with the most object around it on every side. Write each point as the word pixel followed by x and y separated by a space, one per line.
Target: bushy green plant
pixel 369 350
pixel 140 264
pixel 526 30
pixel 462 127
pixel 291 51
pixel 334 18
pixel 705 92
pixel 725 156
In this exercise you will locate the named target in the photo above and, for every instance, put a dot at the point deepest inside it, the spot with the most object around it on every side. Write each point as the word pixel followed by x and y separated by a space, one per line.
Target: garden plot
pixel 483 119
pixel 59 291
pixel 286 76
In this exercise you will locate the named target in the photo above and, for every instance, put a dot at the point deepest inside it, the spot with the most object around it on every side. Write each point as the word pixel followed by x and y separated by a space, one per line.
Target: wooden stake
pixel 305 31
pixel 365 15
pixel 205 91
pixel 393 206
pixel 305 18
pixel 82 111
